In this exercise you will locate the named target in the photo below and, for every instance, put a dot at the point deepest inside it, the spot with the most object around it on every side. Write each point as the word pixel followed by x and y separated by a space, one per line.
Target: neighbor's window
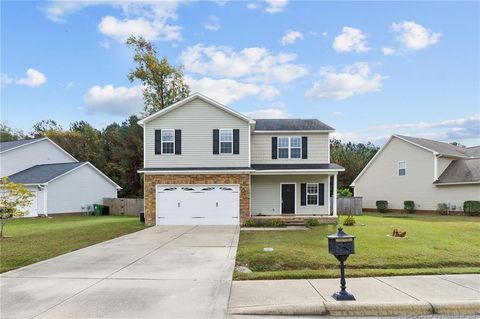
pixel 289 147
pixel 283 143
pixel 402 168
pixel 226 141
pixel 168 141
pixel 312 194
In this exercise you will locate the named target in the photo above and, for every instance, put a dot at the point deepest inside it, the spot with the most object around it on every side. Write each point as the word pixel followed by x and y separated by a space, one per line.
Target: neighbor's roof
pixel 5 146
pixel 40 174
pixel 291 125
pixel 473 151
pixel 461 171
pixel 441 148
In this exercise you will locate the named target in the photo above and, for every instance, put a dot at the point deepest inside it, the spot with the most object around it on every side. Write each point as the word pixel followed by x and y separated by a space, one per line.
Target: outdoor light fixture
pixel 342 245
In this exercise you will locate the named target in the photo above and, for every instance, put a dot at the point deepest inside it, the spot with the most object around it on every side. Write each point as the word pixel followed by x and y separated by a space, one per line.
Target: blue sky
pixel 369 69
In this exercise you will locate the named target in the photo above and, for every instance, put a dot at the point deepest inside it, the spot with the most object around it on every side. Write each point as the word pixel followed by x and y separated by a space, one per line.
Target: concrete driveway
pixel 160 272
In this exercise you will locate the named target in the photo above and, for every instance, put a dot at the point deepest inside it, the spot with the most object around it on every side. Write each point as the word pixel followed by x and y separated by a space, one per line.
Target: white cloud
pixel 114 100
pixel 32 79
pixel 269 113
pixel 353 79
pixel 275 6
pixel 229 90
pixel 251 64
pixel 414 36
pixel 351 39
pixel 338 113
pixel 150 19
pixel 220 2
pixel 325 34
pixel 388 51
pixel 252 6
pixel 213 24
pixel 105 44
pixel 291 36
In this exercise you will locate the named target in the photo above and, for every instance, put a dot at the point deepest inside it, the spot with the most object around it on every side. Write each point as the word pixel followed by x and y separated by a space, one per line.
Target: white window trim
pixel 398 168
pixel 289 147
pixel 161 148
pixel 220 140
pixel 317 194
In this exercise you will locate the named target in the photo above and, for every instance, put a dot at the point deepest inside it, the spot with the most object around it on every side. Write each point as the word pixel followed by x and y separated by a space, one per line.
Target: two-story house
pixel 208 164
pixel 59 182
pixel 425 171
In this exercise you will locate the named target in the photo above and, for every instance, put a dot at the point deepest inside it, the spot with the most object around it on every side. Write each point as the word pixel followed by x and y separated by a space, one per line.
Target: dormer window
pixel 402 168
pixel 290 147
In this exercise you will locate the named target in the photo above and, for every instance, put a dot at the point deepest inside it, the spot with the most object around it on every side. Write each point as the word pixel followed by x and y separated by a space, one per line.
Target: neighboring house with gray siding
pixel 205 163
pixel 59 182
pixel 425 171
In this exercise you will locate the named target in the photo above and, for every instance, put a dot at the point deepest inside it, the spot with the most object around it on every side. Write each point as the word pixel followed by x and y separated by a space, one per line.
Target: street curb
pixel 285 310
pixel 471 307
pixel 349 308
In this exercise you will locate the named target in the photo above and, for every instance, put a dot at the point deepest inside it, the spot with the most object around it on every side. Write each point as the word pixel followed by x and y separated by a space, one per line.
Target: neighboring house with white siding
pixel 425 171
pixel 59 182
pixel 205 163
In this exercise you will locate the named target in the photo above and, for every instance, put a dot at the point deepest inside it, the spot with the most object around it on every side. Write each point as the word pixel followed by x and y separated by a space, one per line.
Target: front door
pixel 288 198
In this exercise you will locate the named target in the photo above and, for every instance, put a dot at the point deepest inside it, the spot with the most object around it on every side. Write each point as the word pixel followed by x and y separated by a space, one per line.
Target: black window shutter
pixel 304 147
pixel 321 194
pixel 178 142
pixel 158 142
pixel 303 194
pixel 274 148
pixel 236 141
pixel 215 141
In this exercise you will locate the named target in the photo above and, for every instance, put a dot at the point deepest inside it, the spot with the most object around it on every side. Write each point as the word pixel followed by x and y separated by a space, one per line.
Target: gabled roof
pixel 437 148
pixel 9 146
pixel 44 173
pixel 5 146
pixel 461 171
pixel 190 98
pixel 291 125
pixel 441 148
pixel 473 151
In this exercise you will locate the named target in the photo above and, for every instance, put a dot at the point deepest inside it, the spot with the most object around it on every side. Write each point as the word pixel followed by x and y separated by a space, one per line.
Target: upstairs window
pixel 290 147
pixel 312 194
pixel 168 141
pixel 402 168
pixel 226 141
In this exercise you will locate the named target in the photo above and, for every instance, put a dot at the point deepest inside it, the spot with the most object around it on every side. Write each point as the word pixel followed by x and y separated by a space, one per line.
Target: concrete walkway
pixel 160 272
pixel 376 296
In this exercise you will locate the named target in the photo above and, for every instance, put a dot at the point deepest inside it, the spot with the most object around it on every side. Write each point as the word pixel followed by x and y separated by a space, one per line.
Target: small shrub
pixel 472 207
pixel 263 223
pixel 442 208
pixel 409 206
pixel 312 222
pixel 349 221
pixel 345 192
pixel 382 206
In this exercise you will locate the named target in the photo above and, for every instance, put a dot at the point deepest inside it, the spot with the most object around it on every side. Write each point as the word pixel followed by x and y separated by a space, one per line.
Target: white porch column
pixel 334 199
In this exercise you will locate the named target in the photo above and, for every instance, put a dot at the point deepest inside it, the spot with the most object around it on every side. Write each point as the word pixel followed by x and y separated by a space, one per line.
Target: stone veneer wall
pixel 150 181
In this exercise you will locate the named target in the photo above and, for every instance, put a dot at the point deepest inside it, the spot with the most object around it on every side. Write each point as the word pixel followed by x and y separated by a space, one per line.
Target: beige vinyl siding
pixel 381 181
pixel 318 148
pixel 197 119
pixel 266 196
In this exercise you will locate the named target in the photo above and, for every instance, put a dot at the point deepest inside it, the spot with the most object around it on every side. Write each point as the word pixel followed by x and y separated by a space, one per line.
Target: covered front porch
pixel 294 194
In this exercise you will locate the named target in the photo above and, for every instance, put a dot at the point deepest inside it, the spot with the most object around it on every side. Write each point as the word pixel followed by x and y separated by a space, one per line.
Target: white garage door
pixel 197 205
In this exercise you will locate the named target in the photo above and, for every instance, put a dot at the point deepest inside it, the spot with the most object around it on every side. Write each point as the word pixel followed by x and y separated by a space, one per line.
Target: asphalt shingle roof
pixel 441 148
pixel 44 173
pixel 461 171
pixel 5 146
pixel 291 125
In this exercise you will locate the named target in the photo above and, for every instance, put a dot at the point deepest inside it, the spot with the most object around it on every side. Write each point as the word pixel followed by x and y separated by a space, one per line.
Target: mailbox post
pixel 342 245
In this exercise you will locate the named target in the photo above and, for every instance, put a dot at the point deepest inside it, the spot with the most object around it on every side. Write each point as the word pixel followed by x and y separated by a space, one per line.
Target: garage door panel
pixel 197 205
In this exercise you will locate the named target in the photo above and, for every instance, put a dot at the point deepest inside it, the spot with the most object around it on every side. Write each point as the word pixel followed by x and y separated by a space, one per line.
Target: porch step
pixel 294 222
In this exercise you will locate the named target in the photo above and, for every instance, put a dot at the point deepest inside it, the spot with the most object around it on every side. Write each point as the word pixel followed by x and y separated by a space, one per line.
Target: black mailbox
pixel 342 245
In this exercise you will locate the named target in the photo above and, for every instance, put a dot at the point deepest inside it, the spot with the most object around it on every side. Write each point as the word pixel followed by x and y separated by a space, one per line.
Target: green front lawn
pixel 435 245
pixel 30 240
